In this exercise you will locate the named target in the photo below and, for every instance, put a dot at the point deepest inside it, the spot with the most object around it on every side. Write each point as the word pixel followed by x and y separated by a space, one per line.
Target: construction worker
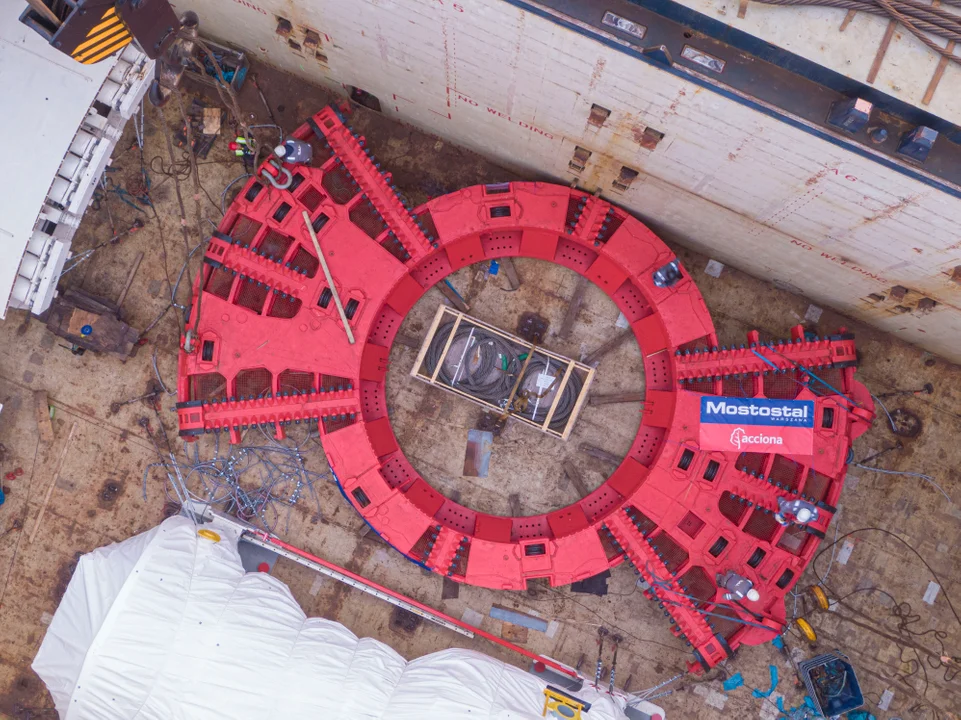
pixel 738 587
pixel 240 147
pixel 294 151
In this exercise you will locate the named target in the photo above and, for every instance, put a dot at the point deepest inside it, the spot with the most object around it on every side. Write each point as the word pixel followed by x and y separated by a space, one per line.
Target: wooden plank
pixel 407 341
pixel 882 51
pixel 415 371
pixel 847 20
pixel 742 9
pixel 514 633
pixel 53 483
pixel 42 407
pixel 443 355
pixel 130 277
pixel 574 307
pixel 604 349
pixel 510 272
pixel 938 74
pixel 575 477
pixel 46 12
pixel 939 70
pixel 557 395
pixel 456 300
pixel 330 280
pixel 612 398
pixel 598 454
pixel 585 391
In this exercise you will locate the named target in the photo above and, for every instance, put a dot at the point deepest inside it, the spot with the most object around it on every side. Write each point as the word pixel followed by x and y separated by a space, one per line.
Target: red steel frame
pixel 268 350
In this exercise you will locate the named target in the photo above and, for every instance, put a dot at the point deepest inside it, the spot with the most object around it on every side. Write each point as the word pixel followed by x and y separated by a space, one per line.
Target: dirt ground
pixel 100 496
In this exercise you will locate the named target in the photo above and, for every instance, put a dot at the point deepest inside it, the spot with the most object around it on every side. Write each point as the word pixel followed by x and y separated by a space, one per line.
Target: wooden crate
pixel 447 321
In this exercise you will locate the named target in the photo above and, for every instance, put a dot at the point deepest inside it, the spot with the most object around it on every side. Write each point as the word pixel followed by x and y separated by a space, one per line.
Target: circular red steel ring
pixel 563 545
pixel 266 313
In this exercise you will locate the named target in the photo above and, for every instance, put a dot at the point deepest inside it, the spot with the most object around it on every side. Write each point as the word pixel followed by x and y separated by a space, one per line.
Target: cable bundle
pixel 488 368
pixel 922 20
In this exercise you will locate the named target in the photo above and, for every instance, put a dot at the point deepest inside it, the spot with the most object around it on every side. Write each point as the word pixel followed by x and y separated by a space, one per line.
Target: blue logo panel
pixel 757 411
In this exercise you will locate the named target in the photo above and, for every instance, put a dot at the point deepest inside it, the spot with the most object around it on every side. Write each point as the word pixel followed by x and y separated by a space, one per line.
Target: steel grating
pixel 275 353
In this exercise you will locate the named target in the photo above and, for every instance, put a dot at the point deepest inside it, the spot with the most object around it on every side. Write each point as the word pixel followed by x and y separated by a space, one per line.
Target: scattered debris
pixel 130 276
pixel 498 612
pixel 116 405
pixel 53 483
pixel 570 470
pixel 612 398
pixel 905 423
pixel 774 680
pixel 931 593
pixel 454 297
pixel 477 459
pixel 714 268
pixel 594 585
pixel 928 389
pixel 471 617
pixel 614 342
pixel 813 313
pixel 574 306
pixel 450 590
pixel 845 552
pixel 256 483
pixel 733 682
pixel 532 327
pixel 514 633
pixel 510 273
pixel 598 454
pixel 44 423
pixel 403 620
pixel 91 323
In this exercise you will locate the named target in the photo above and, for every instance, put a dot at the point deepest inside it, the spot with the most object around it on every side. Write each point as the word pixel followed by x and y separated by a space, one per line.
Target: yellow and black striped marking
pixel 104 38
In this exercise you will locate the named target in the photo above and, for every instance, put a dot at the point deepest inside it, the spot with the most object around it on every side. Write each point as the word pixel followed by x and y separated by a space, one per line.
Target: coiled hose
pixel 489 371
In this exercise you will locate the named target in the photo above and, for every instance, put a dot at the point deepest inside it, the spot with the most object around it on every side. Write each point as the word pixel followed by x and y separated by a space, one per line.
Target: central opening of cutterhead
pixel 558 443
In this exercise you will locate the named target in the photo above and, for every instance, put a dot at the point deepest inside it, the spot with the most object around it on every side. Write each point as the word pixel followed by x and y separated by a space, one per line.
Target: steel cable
pixel 922 21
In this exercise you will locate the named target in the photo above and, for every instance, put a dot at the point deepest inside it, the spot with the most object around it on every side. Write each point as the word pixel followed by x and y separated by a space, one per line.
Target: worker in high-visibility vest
pixel 240 147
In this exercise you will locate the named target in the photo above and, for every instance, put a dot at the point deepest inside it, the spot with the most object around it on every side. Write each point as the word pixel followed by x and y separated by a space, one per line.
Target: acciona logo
pixel 739 437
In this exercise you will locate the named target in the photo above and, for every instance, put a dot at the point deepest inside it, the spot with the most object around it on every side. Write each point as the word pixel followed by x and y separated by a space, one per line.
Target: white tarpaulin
pixel 168 625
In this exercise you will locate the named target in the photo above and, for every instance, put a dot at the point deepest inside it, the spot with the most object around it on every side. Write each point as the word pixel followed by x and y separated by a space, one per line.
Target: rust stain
pixel 596 73
pixel 817 176
pixel 677 101
pixel 891 211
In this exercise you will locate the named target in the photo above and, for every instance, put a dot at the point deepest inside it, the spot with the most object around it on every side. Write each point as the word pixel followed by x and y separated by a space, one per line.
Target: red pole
pixel 426 608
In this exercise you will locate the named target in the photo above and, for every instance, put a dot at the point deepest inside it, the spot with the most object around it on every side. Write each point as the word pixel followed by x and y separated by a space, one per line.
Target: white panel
pixel 53 94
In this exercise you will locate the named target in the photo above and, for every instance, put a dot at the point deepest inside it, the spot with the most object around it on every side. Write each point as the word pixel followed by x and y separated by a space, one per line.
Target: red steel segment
pixel 269 350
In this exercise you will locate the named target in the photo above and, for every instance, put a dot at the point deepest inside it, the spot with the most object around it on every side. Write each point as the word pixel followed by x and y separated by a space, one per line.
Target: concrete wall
pixel 728 180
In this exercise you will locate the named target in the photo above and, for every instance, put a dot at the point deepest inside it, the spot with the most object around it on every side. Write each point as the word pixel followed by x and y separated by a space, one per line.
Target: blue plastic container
pixel 832 683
